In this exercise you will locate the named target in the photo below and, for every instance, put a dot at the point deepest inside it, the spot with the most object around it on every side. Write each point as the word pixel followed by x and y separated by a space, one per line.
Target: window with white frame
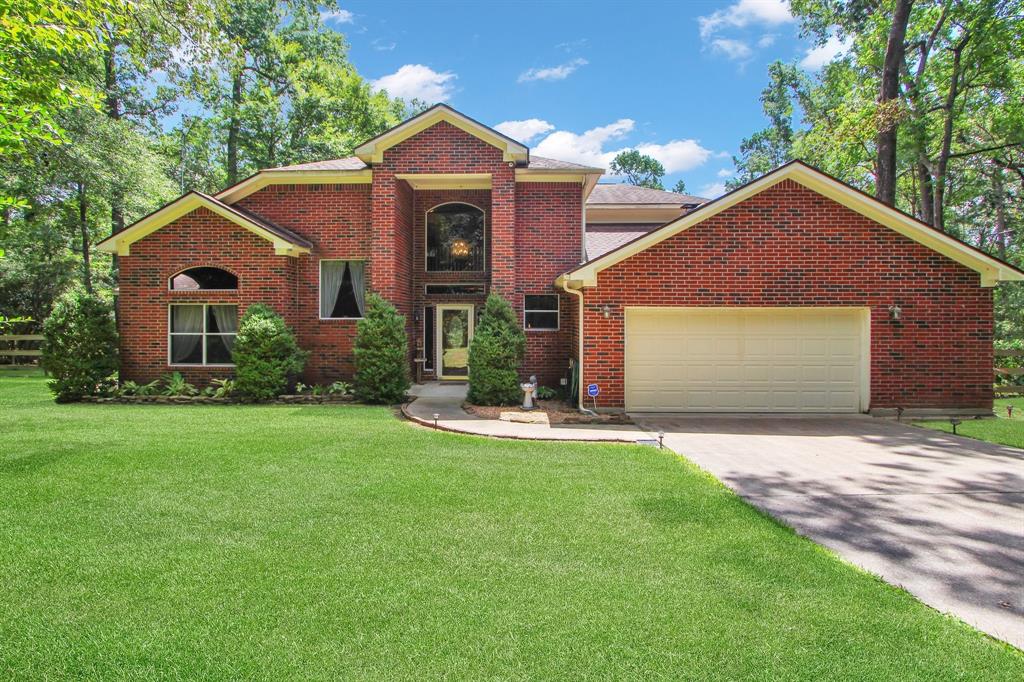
pixel 202 333
pixel 540 312
pixel 342 288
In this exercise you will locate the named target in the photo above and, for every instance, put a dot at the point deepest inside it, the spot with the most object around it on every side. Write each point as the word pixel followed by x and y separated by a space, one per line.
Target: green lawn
pixel 224 542
pixel 1003 429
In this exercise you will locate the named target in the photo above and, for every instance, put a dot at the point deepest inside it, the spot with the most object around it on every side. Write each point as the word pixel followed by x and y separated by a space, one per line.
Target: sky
pixel 580 81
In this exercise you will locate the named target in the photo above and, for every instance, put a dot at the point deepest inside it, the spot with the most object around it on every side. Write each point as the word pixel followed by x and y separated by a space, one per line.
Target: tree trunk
pixel 924 177
pixel 234 126
pixel 1002 231
pixel 942 163
pixel 885 189
pixel 83 226
pixel 112 102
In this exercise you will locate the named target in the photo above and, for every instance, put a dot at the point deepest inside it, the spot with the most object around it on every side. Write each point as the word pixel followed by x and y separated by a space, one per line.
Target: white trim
pixel 170 280
pixel 202 335
pixel 373 150
pixel 424 181
pixel 438 345
pixel 320 286
pixel 557 311
pixel 991 270
pixel 426 227
pixel 265 178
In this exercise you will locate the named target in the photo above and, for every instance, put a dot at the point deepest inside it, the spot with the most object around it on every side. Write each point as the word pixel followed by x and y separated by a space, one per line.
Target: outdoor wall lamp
pixel 895 313
pixel 606 310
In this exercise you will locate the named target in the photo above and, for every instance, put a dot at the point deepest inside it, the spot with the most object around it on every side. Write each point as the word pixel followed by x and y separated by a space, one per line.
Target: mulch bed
pixel 209 400
pixel 558 412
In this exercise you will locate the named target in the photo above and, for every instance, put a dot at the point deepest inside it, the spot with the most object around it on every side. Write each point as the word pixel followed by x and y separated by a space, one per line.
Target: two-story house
pixel 793 293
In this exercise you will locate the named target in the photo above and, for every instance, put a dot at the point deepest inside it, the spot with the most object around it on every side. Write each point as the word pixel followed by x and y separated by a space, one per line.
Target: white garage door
pixel 744 359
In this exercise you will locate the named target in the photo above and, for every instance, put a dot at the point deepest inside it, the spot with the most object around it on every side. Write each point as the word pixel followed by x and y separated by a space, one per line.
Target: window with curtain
pixel 202 333
pixel 204 278
pixel 455 238
pixel 342 288
pixel 540 312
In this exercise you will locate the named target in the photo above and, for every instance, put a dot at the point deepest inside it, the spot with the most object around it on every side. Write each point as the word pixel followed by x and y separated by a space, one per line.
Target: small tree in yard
pixel 265 354
pixel 80 348
pixel 495 355
pixel 381 354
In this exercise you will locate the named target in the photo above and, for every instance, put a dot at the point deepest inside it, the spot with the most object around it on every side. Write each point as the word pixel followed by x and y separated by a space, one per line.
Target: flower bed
pixel 557 411
pixel 210 400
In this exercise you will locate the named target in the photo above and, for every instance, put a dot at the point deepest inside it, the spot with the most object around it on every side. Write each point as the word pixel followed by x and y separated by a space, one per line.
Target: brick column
pixel 503 234
pixel 383 244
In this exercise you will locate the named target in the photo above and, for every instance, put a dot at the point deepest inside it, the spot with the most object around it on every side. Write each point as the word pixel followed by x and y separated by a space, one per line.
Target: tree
pixel 266 356
pixel 495 355
pixel 381 354
pixel 680 187
pixel 638 169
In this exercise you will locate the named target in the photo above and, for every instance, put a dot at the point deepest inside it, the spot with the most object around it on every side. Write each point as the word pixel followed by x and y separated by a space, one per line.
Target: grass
pixel 1003 429
pixel 323 542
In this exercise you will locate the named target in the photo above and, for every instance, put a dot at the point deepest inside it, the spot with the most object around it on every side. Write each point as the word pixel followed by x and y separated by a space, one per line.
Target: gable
pixel 285 242
pixel 372 151
pixel 991 269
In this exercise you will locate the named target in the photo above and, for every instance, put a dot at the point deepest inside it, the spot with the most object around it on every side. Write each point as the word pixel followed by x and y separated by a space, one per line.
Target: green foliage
pixel 680 187
pixel 222 388
pixel 176 386
pixel 340 388
pixel 265 354
pixel 131 388
pixel 80 349
pixel 638 169
pixel 546 393
pixel 495 355
pixel 381 354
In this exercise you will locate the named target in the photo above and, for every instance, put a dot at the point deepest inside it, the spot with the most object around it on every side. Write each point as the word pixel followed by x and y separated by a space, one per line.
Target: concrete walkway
pixel 939 515
pixel 446 400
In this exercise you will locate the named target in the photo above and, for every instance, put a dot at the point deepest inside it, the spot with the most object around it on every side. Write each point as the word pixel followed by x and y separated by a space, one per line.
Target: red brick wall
pixel 337 220
pixel 789 246
pixel 199 238
pixel 548 243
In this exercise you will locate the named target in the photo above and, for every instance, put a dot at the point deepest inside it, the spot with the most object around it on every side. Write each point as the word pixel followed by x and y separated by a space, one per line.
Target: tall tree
pixel 638 169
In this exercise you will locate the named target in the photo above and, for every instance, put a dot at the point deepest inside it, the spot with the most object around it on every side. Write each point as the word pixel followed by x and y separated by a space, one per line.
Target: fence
pixel 16 346
pixel 1009 375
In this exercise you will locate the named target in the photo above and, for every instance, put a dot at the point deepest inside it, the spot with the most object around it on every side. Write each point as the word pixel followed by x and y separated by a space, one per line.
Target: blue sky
pixel 580 81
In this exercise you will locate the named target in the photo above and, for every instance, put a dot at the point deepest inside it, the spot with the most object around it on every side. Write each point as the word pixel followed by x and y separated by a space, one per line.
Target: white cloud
pixel 744 13
pixel 713 190
pixel 677 155
pixel 725 173
pixel 817 57
pixel 338 16
pixel 767 40
pixel 587 148
pixel 552 73
pixel 383 45
pixel 524 131
pixel 590 147
pixel 416 81
pixel 736 50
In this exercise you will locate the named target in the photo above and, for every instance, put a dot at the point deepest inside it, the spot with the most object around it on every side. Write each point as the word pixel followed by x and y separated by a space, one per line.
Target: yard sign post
pixel 593 390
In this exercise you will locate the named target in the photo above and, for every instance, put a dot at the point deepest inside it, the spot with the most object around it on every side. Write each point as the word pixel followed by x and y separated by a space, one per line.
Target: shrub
pixel 340 388
pixel 222 388
pixel 80 348
pixel 130 388
pixel 545 393
pixel 265 354
pixel 175 385
pixel 381 354
pixel 495 355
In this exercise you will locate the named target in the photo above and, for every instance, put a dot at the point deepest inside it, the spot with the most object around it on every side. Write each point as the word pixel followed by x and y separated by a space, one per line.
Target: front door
pixel 454 332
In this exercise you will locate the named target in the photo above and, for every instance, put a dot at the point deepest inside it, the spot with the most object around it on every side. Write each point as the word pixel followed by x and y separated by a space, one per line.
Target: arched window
pixel 195 279
pixel 455 238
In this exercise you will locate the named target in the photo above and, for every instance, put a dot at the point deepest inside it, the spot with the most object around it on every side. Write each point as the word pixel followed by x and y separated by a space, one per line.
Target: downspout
pixel 579 346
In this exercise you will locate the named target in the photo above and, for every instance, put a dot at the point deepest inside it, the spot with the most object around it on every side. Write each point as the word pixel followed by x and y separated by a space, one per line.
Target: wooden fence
pixel 16 346
pixel 1009 373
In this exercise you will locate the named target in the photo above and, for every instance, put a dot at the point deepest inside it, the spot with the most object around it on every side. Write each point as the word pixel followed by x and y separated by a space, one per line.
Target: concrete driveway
pixel 939 515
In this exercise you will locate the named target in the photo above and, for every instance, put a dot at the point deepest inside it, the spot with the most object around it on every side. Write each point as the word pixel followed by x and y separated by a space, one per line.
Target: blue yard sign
pixel 593 390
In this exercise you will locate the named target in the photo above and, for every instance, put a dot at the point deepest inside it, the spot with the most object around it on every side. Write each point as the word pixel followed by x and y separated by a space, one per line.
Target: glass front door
pixel 454 332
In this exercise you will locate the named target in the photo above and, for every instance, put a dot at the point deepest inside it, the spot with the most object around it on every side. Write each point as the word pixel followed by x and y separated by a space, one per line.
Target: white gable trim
pixel 373 150
pixel 121 242
pixel 992 270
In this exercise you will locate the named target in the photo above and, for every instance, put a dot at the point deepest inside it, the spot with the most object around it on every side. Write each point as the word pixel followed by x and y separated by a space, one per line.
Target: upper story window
pixel 195 279
pixel 455 238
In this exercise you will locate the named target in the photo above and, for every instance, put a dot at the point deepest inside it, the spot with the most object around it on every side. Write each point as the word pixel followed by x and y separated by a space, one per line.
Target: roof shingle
pixel 631 194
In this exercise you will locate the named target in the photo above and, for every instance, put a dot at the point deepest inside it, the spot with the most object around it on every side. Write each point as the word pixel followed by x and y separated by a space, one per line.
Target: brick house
pixel 792 293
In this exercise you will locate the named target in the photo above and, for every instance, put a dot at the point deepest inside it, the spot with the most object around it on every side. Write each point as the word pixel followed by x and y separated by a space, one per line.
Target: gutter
pixel 566 284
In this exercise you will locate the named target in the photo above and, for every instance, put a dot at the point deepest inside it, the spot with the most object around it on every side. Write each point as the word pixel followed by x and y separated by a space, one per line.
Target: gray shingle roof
pixel 542 163
pixel 631 194
pixel 602 238
pixel 268 225
pixel 348 163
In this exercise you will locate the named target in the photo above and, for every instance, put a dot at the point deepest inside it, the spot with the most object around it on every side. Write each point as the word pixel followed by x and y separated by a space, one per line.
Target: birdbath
pixel 529 388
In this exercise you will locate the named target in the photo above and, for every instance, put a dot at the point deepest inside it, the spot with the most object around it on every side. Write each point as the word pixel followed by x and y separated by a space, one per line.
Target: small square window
pixel 540 312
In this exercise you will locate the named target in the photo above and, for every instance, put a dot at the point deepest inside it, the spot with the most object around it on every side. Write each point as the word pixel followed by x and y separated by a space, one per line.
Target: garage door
pixel 744 359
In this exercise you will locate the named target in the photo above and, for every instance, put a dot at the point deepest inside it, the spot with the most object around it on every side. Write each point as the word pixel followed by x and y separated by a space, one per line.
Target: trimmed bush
pixel 265 354
pixel 495 355
pixel 80 349
pixel 381 354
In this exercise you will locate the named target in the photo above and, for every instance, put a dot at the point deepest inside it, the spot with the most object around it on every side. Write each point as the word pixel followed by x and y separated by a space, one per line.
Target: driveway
pixel 939 515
